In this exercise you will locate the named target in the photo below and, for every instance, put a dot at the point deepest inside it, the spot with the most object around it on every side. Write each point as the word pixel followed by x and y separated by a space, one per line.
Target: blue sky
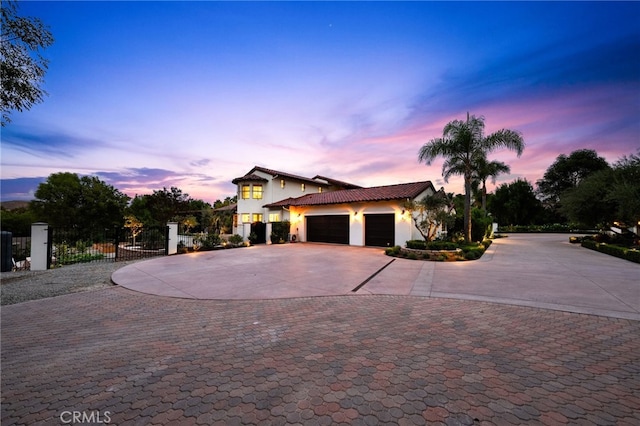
pixel 147 95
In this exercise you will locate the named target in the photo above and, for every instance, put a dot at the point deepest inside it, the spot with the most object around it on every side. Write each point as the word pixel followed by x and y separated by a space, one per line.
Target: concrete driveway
pixel 544 271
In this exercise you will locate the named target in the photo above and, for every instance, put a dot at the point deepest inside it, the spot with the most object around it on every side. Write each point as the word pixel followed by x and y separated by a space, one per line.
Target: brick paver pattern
pixel 329 360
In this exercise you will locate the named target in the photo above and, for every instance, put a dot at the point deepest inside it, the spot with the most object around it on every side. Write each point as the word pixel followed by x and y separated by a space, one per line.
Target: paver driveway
pixel 135 358
pixel 530 270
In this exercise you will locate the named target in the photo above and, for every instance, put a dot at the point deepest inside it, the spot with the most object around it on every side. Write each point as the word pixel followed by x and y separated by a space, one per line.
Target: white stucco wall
pixel 272 191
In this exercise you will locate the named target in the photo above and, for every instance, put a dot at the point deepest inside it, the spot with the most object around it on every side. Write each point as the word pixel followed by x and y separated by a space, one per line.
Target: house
pixel 321 209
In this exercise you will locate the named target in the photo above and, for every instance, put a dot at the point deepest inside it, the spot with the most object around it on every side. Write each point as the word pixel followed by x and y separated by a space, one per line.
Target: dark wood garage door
pixel 328 229
pixel 379 230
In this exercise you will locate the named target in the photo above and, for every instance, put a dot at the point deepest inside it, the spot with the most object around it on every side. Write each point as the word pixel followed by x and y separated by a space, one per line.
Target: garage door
pixel 379 230
pixel 328 229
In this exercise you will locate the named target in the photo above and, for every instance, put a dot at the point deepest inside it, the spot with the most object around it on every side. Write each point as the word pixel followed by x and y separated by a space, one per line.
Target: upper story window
pixel 302 187
pixel 246 192
pixel 257 192
pixel 320 189
pixel 282 183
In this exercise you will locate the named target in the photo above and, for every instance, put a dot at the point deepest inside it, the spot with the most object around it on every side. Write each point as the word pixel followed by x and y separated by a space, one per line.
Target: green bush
pixel 480 225
pixel 417 244
pixel 236 240
pixel 79 258
pixel 209 241
pixel 392 251
pixel 486 243
pixel 612 250
pixel 280 231
pixel 473 254
pixel 633 255
pixel 441 245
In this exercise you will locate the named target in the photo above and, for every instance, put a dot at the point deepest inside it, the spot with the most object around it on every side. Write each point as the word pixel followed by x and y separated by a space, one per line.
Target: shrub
pixel 392 251
pixel 473 254
pixel 209 241
pixel 486 243
pixel 417 244
pixel 412 256
pixel 236 239
pixel 441 245
pixel 280 231
pixel 613 250
pixel 633 255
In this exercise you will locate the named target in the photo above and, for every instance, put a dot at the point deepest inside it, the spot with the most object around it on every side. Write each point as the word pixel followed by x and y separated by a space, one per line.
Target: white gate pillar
pixel 268 231
pixel 39 242
pixel 172 244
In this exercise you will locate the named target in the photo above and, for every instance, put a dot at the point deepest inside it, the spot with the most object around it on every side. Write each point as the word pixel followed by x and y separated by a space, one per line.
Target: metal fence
pixel 69 246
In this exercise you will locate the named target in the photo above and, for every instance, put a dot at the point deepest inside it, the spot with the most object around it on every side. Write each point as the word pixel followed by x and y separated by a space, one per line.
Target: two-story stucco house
pixel 322 209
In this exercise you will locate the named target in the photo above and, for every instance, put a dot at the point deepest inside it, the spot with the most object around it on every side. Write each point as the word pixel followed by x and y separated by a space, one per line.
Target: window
pixel 235 220
pixel 257 192
pixel 245 217
pixel 302 187
pixel 274 217
pixel 282 183
pixel 246 189
pixel 320 190
pixel 257 217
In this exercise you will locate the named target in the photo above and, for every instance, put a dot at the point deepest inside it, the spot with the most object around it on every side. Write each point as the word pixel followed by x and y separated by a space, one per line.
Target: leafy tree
pixel 23 67
pixel 69 201
pixel 515 203
pixel 17 221
pixel 566 173
pixel 161 206
pixel 607 196
pixel 134 225
pixel 430 213
pixel 188 222
pixel 488 169
pixel 463 146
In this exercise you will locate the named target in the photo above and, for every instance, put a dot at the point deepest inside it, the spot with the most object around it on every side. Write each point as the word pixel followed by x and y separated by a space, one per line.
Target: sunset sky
pixel 147 95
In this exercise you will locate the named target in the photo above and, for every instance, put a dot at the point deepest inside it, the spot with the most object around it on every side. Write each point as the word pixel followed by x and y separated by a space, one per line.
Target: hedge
pixel 613 250
pixel 431 245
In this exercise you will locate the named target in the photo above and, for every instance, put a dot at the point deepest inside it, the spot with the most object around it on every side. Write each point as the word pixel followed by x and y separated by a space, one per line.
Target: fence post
pixel 172 238
pixel 39 246
pixel 116 242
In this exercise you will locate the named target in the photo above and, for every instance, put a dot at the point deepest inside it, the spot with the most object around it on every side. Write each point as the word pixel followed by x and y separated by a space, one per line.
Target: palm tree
pixel 486 169
pixel 463 146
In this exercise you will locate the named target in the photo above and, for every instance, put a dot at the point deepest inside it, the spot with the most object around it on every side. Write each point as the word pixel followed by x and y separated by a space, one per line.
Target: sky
pixel 146 95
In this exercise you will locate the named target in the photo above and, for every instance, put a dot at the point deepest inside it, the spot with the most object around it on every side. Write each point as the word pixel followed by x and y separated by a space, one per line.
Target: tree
pixel 18 221
pixel 162 206
pixel 463 146
pixel 23 67
pixel 566 173
pixel 515 203
pixel 605 197
pixel 430 213
pixel 134 225
pixel 69 201
pixel 488 169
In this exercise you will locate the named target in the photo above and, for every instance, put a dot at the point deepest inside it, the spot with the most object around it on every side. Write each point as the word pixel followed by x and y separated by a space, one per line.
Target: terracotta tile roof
pixel 276 173
pixel 252 177
pixel 339 183
pixel 376 193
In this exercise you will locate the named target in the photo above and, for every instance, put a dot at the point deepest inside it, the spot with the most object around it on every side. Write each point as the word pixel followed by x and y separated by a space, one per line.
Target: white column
pixel 39 240
pixel 268 231
pixel 172 244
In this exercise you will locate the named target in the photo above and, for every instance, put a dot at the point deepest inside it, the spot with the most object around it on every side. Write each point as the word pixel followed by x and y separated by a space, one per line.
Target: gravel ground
pixel 21 286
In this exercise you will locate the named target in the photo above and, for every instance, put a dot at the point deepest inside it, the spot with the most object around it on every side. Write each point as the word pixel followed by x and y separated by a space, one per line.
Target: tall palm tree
pixel 463 146
pixel 486 169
